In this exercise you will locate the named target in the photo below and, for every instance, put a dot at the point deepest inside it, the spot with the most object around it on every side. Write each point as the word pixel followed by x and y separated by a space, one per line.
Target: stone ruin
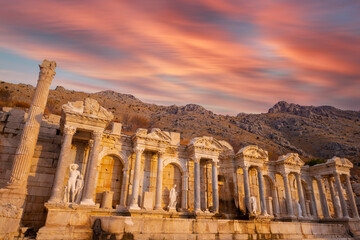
pixel 62 174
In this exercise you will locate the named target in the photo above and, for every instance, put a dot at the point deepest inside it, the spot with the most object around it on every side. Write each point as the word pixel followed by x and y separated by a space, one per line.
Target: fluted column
pixel 301 194
pixel 197 184
pixel 184 204
pixel 62 165
pixel 324 205
pixel 333 198
pixel 159 178
pixel 26 148
pixel 215 187
pixel 247 188
pixel 344 210
pixel 262 192
pixel 90 185
pixel 288 195
pixel 351 198
pixel 136 182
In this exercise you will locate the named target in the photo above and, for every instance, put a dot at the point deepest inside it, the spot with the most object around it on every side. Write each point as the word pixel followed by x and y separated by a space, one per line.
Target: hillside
pixel 313 132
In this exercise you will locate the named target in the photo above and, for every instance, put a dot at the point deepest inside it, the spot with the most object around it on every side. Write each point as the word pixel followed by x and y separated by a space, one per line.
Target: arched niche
pixel 280 192
pixel 172 174
pixel 109 178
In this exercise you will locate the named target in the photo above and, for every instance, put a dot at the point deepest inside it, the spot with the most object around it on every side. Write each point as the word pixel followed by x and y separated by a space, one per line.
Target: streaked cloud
pixel 230 56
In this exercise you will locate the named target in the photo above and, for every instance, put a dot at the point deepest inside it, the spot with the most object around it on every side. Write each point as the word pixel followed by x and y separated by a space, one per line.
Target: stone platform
pixel 68 223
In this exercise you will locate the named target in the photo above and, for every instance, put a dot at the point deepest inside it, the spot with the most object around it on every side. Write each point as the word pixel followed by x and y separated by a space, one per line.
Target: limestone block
pixel 306 228
pixel 148 200
pixel 175 138
pixel 225 226
pixel 58 218
pixel 107 198
pixel 154 225
pixel 171 225
pixel 205 226
pixel 116 224
pixel 116 128
pixel 285 228
pixel 133 225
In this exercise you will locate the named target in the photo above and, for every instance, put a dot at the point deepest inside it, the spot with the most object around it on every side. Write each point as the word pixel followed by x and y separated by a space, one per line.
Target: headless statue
pixel 172 198
pixel 253 204
pixel 299 209
pixel 70 188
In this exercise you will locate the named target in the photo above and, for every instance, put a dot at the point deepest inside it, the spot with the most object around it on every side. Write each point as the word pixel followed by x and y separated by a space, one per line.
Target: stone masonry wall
pixel 43 165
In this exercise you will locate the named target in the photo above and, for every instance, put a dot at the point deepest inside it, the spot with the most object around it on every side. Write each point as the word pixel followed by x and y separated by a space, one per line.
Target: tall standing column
pixel 351 198
pixel 344 210
pixel 313 201
pixel 333 198
pixel 215 186
pixel 288 195
pixel 324 205
pixel 159 179
pixel 276 202
pixel 262 192
pixel 90 185
pixel 247 188
pixel 136 182
pixel 62 165
pixel 197 184
pixel 301 194
pixel 184 191
pixel 25 151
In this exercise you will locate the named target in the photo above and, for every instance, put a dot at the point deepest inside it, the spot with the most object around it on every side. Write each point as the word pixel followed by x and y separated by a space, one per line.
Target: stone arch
pixel 178 162
pixel 122 156
pixel 110 175
pixel 172 174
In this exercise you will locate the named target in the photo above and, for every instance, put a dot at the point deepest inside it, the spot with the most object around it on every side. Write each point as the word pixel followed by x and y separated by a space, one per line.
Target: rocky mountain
pixel 313 132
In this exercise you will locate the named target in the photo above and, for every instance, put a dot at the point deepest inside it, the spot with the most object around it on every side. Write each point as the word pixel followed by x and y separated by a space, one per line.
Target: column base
pixel 134 207
pixel 87 202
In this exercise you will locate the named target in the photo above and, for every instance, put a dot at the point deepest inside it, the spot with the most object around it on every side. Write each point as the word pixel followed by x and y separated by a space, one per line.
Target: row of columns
pixel 344 211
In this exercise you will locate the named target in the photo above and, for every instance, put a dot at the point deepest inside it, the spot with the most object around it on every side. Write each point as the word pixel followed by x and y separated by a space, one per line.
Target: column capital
pixel 215 160
pixel 318 178
pixel 196 159
pixel 161 152
pixel 284 173
pixel 69 130
pixel 139 150
pixel 97 134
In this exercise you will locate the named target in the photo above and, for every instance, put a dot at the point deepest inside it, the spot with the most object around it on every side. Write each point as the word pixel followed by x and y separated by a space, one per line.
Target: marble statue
pixel 172 198
pixel 338 207
pixel 78 188
pixel 253 204
pixel 299 209
pixel 70 189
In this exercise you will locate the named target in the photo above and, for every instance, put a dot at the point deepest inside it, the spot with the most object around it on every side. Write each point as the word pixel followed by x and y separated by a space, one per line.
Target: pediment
pixel 155 134
pixel 206 142
pixel 341 162
pixel 88 107
pixel 291 159
pixel 253 151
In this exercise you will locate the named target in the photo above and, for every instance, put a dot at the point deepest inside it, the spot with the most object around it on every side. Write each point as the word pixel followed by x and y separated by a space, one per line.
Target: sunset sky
pixel 228 56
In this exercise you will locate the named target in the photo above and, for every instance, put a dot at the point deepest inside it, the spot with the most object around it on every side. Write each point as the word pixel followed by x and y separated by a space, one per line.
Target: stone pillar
pixel 90 185
pixel 301 194
pixel 25 150
pixel 197 184
pixel 215 187
pixel 269 206
pixel 262 192
pixel 62 165
pixel 159 178
pixel 350 194
pixel 324 205
pixel 307 205
pixel 344 210
pixel 136 183
pixel 247 188
pixel 276 202
pixel 333 199
pixel 288 195
pixel 184 191
pixel 124 186
pixel 313 201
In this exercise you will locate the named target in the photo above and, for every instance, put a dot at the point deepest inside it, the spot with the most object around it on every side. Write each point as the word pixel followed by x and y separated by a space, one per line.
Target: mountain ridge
pixel 313 132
